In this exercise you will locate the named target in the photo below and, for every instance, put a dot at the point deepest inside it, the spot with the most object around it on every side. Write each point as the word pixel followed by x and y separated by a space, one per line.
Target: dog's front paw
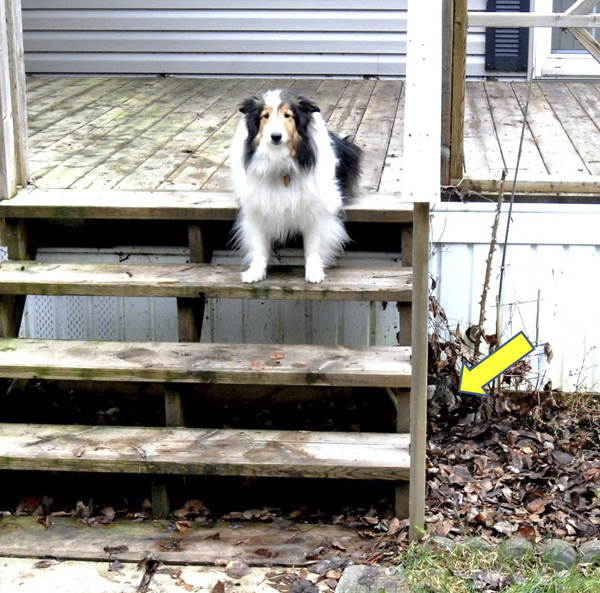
pixel 314 274
pixel 252 275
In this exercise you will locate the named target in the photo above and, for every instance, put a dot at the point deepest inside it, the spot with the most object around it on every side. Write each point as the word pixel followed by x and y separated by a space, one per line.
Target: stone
pixel 558 554
pixel 590 551
pixel 437 542
pixel 371 579
pixel 516 547
pixel 478 543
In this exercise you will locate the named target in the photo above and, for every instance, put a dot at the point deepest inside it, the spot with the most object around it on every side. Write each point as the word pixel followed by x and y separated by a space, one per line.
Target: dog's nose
pixel 276 137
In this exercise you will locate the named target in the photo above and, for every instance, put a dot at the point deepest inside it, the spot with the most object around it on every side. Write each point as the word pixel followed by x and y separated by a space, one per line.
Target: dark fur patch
pixel 347 171
pixel 302 109
pixel 252 108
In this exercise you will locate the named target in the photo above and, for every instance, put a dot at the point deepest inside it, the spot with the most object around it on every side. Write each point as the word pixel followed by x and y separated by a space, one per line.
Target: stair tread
pixel 172 205
pixel 191 280
pixel 205 363
pixel 195 451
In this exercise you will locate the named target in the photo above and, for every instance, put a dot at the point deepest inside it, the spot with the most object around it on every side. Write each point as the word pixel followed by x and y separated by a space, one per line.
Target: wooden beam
pixel 423 111
pixel 587 40
pixel 529 19
pixel 459 77
pixel 199 545
pixel 447 51
pixel 200 451
pixel 192 363
pixel 582 7
pixel 550 184
pixel 18 90
pixel 418 399
pixel 17 238
pixel 8 177
pixel 173 205
pixel 190 280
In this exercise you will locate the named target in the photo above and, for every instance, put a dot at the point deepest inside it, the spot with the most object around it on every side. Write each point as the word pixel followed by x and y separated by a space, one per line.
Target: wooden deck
pixel 174 133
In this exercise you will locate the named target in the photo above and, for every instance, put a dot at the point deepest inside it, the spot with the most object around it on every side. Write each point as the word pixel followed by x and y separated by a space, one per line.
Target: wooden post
pixel 459 77
pixel 447 51
pixel 19 241
pixel 8 178
pixel 418 399
pixel 190 314
pixel 18 90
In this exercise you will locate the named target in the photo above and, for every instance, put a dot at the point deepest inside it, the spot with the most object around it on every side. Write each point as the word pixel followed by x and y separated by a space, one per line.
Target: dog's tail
pixel 348 168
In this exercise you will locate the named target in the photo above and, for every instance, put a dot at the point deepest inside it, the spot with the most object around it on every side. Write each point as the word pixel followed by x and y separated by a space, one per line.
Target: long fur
pixel 320 170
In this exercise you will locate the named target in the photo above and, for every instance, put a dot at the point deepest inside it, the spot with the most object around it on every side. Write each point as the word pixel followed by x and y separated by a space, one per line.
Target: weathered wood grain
pixel 68 539
pixel 187 451
pixel 375 129
pixel 164 205
pixel 189 280
pixel 192 362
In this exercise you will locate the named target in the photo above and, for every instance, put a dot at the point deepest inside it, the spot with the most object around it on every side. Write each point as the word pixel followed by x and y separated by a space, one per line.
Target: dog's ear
pixel 250 104
pixel 307 105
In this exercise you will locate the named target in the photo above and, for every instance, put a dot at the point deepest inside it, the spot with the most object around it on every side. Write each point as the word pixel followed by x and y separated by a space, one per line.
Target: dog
pixel 291 176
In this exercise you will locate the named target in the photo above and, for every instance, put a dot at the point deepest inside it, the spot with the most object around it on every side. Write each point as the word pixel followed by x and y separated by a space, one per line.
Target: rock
pixel 371 579
pixel 516 547
pixel 478 543
pixel 437 542
pixel 590 551
pixel 559 554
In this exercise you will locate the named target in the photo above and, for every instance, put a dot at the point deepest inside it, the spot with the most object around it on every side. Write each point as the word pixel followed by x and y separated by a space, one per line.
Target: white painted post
pixel 421 184
pixel 423 111
pixel 8 180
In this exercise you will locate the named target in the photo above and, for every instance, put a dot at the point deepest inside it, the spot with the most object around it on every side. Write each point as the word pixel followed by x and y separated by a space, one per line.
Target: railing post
pixel 459 74
pixel 16 58
pixel 8 178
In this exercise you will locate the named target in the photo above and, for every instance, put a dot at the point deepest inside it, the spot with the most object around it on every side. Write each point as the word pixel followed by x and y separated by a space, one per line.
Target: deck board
pixel 205 363
pixel 248 541
pixel 205 452
pixel 191 280
pixel 173 133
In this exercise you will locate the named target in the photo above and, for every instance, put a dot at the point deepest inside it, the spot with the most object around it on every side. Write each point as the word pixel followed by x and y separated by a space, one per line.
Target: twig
pixel 512 197
pixel 488 265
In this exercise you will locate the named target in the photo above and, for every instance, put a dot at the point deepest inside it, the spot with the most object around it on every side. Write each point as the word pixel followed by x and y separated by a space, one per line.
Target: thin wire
pixel 512 194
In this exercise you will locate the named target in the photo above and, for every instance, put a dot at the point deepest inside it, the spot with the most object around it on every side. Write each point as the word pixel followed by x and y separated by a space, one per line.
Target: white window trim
pixel 549 65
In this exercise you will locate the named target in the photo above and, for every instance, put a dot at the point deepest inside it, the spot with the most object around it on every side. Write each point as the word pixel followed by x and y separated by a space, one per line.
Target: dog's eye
pixel 265 116
pixel 288 115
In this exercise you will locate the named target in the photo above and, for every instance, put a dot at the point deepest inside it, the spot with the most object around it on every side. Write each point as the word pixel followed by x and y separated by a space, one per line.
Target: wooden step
pixel 191 280
pixel 256 544
pixel 172 205
pixel 205 363
pixel 193 451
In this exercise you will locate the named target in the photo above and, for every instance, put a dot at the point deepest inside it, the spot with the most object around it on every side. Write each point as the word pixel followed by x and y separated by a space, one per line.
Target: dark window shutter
pixel 507 49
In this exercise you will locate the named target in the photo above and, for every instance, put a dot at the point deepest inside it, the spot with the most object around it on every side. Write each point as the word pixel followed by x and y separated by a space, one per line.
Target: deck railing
pixel 575 20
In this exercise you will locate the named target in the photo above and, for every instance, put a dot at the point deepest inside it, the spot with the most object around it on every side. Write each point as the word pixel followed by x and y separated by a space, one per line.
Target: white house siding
pixel 224 37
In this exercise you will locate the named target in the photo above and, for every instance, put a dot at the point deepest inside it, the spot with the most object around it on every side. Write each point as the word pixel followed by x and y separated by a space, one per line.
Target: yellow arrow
pixel 473 379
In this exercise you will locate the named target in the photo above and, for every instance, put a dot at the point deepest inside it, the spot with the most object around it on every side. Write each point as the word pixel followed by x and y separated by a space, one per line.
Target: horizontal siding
pixel 224 37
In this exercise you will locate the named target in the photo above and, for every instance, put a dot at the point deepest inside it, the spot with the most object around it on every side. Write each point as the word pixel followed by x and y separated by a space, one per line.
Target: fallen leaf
pixel 43 564
pixel 45 521
pixel 256 365
pixel 219 587
pixel 116 549
pixel 79 452
pixel 277 356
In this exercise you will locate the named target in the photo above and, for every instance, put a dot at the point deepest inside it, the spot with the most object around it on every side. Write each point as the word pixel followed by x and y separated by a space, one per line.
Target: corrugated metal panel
pixel 196 37
pixel 553 249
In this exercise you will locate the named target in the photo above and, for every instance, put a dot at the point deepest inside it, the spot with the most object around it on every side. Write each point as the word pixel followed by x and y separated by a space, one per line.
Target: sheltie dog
pixel 291 176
